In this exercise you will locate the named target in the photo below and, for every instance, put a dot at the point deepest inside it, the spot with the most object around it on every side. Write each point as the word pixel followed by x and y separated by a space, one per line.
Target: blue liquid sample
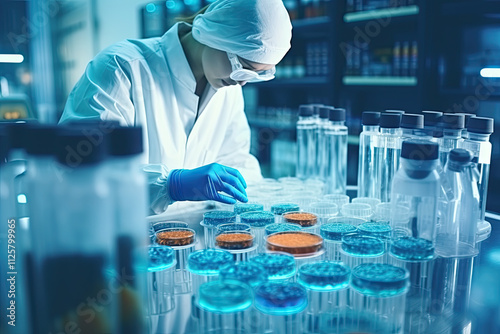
pixel 412 249
pixel 245 272
pixel 282 227
pixel 277 266
pixel 232 227
pixel 280 298
pixel 281 208
pixel 160 258
pixel 324 276
pixel 215 218
pixel 257 218
pixel 208 261
pixel 380 280
pixel 225 296
pixel 240 208
pixel 379 230
pixel 335 231
pixel 360 245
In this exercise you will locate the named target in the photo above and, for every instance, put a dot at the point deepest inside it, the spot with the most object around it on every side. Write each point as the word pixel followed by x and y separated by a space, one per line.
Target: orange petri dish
pixel 304 219
pixel 175 237
pixel 234 240
pixel 297 243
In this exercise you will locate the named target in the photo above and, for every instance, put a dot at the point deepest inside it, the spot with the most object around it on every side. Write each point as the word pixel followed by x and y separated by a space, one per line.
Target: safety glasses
pixel 242 74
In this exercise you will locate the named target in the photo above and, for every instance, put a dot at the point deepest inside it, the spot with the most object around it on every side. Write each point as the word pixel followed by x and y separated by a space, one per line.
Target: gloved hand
pixel 207 183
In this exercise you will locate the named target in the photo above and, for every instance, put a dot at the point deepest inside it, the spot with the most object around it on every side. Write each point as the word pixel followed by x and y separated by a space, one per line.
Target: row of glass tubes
pixel 352 240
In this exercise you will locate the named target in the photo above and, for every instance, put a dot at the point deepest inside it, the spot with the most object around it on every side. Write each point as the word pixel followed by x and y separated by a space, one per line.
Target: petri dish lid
pixel 225 296
pixel 338 199
pixel 277 265
pixel 217 217
pixel 232 227
pixel 280 298
pixel 335 231
pixel 160 258
pixel 208 261
pixel 360 210
pixel 324 276
pixel 257 218
pixel 380 280
pixel 371 201
pixel 246 272
pixel 324 209
pixel 168 224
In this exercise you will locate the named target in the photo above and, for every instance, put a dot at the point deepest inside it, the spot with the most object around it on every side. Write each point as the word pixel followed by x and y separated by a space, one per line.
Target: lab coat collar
pixel 176 58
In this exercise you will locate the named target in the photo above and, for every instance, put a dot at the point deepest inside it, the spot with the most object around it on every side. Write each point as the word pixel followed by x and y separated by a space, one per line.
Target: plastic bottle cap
pixel 324 112
pixel 41 139
pixel 420 150
pixel 453 121
pixel 306 110
pixel 412 121
pixel 480 125
pixel 431 118
pixel 125 141
pixel 467 117
pixel 337 115
pixel 316 108
pixel 76 148
pixel 390 120
pixel 370 118
pixel 460 155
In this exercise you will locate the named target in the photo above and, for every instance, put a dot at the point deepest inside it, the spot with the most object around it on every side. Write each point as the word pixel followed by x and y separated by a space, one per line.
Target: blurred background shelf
pixel 379 81
pixel 384 13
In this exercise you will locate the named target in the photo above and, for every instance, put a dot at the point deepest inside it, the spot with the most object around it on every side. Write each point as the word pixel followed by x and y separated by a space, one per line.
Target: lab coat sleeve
pixel 159 196
pixel 103 92
pixel 236 151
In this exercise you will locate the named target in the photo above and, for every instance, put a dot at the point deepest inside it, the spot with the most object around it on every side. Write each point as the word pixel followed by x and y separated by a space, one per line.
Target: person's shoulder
pixel 129 51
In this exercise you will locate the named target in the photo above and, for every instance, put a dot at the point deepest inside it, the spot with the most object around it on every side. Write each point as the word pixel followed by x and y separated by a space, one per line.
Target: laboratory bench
pixel 475 300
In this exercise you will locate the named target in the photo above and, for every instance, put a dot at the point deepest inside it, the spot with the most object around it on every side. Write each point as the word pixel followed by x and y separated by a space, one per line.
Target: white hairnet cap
pixel 256 30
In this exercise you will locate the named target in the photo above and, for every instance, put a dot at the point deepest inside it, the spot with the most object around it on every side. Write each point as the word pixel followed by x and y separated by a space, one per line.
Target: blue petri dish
pixel 412 249
pixel 245 272
pixel 257 218
pixel 280 298
pixel 169 224
pixel 281 208
pixel 225 296
pixel 324 276
pixel 335 231
pixel 240 208
pixel 160 258
pixel 361 245
pixel 208 261
pixel 380 280
pixel 215 218
pixel 282 227
pixel 277 266
pixel 379 230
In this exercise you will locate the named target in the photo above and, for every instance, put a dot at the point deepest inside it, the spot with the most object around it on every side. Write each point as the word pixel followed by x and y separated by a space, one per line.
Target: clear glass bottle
pixel 478 143
pixel 336 137
pixel 306 142
pixel 452 125
pixel 456 233
pixel 366 162
pixel 387 152
pixel 322 153
pixel 431 119
pixel 411 124
pixel 416 186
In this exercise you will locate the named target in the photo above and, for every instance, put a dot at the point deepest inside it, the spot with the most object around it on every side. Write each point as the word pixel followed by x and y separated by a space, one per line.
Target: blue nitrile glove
pixel 208 182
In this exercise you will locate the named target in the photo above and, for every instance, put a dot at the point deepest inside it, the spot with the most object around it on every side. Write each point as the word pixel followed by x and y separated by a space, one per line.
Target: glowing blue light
pixel 11 58
pixel 21 199
pixel 490 72
pixel 151 8
pixel 171 4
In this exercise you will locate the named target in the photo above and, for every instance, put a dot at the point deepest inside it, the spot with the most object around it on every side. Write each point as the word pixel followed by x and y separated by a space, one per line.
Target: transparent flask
pixel 452 125
pixel 306 143
pixel 366 162
pixel 336 137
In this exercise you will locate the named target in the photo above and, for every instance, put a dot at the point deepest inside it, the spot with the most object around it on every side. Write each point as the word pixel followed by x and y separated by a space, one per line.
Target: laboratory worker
pixel 184 89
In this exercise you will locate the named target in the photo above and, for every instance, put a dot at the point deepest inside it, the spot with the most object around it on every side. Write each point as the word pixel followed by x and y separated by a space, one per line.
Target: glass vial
pixel 336 146
pixel 306 142
pixel 366 162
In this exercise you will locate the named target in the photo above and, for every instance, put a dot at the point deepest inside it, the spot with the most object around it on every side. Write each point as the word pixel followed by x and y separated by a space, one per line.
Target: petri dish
pixel 335 231
pixel 379 230
pixel 380 280
pixel 160 258
pixel 282 227
pixel 208 261
pixel 280 298
pixel 361 245
pixel 240 208
pixel 324 276
pixel 234 240
pixel 224 296
pixel 175 237
pixel 281 208
pixel 277 265
pixel 298 243
pixel 412 249
pixel 232 227
pixel 257 218
pixel 168 224
pixel 215 218
pixel 246 272
pixel 304 219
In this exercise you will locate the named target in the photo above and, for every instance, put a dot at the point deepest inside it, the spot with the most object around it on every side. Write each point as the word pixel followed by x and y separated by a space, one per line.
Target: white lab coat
pixel 149 82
